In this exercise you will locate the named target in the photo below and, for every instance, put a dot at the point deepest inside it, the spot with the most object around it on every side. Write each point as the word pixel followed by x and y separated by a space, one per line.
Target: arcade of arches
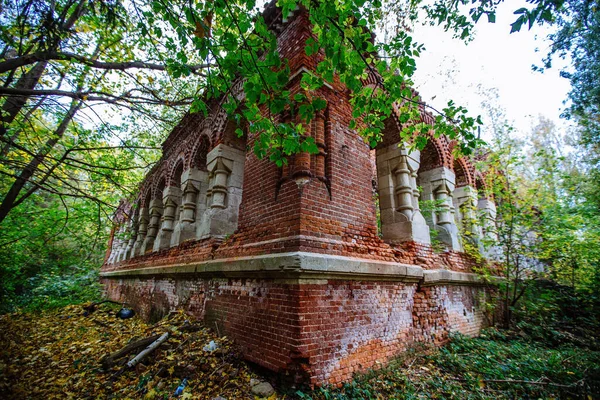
pixel 289 261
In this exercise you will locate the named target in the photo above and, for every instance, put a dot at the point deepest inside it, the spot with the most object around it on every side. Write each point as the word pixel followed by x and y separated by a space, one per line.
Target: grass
pixel 494 366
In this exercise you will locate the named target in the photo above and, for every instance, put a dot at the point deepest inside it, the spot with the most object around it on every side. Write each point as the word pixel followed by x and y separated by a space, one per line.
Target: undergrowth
pixel 493 366
pixel 551 351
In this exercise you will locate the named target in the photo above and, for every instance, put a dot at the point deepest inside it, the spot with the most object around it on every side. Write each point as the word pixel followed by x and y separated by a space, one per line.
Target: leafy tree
pixel 66 62
pixel 570 218
pixel 547 226
pixel 577 36
pixel 516 239
pixel 69 66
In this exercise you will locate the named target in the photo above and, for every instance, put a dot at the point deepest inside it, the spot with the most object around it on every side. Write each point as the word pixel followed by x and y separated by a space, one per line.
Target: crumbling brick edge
pixel 312 317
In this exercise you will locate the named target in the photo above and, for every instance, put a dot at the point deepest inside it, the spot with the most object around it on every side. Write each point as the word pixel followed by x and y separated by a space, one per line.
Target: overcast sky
pixel 449 69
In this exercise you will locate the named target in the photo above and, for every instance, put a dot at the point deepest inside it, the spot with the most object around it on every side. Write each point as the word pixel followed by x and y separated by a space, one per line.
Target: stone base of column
pixel 163 240
pixel 415 230
pixel 449 235
pixel 183 231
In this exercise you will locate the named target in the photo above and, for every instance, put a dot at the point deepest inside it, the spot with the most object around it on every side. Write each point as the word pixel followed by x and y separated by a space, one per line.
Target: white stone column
pixel 132 235
pixel 156 210
pixel 113 248
pixel 487 213
pixel 487 210
pixel 224 193
pixel 117 247
pixel 194 187
pixel 171 202
pixel 465 200
pixel 438 185
pixel 401 219
pixel 141 232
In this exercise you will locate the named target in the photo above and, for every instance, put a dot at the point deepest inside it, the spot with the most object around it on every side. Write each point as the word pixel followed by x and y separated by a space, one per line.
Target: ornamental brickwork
pixel 290 261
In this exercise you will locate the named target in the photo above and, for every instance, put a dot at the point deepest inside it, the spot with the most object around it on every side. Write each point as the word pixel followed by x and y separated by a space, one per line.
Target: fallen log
pixel 109 360
pixel 148 350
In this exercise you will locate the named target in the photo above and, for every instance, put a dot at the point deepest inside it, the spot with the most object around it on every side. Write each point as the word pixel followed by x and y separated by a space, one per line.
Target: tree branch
pixel 91 96
pixel 10 65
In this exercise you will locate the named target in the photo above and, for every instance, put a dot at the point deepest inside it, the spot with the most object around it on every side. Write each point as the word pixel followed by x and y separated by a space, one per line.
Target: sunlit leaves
pixel 243 47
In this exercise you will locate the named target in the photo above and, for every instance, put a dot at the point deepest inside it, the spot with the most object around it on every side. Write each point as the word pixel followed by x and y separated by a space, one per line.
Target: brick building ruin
pixel 289 261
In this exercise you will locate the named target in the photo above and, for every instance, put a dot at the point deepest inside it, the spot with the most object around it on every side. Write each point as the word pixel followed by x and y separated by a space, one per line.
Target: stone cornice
pixel 304 266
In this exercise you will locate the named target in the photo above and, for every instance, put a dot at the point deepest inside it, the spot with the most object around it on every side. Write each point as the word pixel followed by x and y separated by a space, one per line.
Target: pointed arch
pixel 464 171
pixel 483 190
pixel 146 196
pixel 159 187
pixel 198 156
pixel 174 177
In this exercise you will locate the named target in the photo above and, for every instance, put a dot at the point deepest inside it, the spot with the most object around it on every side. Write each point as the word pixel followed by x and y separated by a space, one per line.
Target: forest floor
pixel 61 354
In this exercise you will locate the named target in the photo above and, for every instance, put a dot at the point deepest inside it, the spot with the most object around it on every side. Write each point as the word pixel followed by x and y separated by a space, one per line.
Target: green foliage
pixel 556 315
pixel 577 37
pixel 428 208
pixel 49 254
pixel 67 286
pixel 496 365
pixel 242 46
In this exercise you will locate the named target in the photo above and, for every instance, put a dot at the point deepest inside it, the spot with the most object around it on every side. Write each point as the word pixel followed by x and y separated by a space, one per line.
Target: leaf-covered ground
pixel 59 355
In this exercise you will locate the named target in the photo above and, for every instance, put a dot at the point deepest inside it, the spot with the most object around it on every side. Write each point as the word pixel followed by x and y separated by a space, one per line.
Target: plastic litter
pixel 125 313
pixel 212 346
pixel 180 388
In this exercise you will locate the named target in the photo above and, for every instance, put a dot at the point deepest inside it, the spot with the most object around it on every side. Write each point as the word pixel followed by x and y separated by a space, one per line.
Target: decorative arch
pixel 146 195
pixel 174 176
pixel 230 137
pixel 237 89
pixel 159 187
pixel 371 79
pixel 123 212
pixel 434 155
pixel 219 122
pixel 137 206
pixel 483 190
pixel 463 169
pixel 224 128
pixel 198 156
pixel 390 132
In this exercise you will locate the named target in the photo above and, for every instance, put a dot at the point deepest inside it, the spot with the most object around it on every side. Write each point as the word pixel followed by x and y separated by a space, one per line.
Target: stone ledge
pixel 306 266
pixel 444 276
pixel 284 266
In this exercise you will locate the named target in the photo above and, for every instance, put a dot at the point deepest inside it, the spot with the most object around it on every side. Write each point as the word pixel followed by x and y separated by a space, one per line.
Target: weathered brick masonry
pixel 289 261
pixel 320 331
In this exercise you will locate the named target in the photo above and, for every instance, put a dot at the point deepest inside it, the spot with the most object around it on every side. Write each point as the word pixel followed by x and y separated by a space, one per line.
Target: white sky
pixel 449 69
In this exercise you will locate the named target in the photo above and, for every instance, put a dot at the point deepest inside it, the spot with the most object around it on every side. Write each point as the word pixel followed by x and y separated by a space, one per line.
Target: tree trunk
pixel 27 173
pixel 13 105
pixel 148 350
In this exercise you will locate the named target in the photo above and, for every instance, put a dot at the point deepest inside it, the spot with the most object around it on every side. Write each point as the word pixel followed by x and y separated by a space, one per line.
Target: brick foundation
pixel 318 323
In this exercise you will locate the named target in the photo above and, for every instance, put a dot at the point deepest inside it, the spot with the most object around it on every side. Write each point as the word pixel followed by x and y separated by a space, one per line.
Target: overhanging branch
pixel 11 65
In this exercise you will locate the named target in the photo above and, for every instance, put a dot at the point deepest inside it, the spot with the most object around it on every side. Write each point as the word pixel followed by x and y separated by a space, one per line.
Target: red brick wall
pixel 321 332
